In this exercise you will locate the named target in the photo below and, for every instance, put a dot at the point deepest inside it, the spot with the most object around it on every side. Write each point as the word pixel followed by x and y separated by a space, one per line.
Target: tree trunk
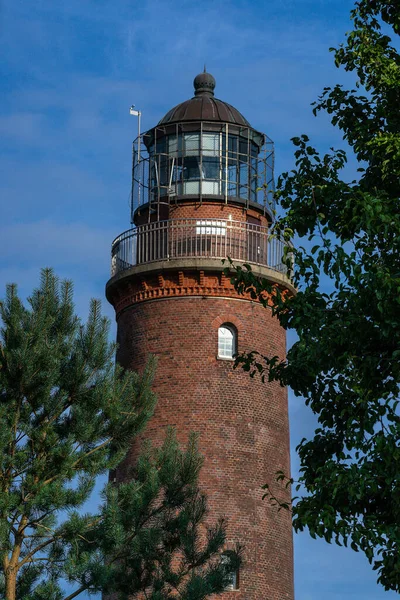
pixel 11 583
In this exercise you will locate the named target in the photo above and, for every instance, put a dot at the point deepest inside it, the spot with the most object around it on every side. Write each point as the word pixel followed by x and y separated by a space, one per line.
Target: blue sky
pixel 70 71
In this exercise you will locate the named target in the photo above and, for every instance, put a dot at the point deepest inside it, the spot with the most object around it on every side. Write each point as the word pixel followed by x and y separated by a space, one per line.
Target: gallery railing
pixel 196 238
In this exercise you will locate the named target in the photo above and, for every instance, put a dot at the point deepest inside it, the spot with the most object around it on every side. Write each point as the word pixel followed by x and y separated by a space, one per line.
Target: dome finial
pixel 204 84
pixel 205 70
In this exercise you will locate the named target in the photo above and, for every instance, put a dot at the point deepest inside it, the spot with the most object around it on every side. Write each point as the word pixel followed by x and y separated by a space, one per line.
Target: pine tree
pixel 69 414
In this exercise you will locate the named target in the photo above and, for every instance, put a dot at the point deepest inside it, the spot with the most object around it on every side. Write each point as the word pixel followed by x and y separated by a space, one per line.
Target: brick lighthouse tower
pixel 203 191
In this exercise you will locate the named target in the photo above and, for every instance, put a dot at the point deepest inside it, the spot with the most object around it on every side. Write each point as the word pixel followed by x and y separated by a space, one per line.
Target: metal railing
pixel 196 238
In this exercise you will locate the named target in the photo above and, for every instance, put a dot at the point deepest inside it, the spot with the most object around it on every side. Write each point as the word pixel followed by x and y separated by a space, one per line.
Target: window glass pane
pixel 172 145
pixel 253 149
pixel 211 228
pixel 211 187
pixel 233 576
pixel 177 174
pixel 162 169
pixel 243 149
pixel 175 145
pixel 233 582
pixel 191 168
pixel 192 144
pixel 226 342
pixel 191 187
pixel 210 144
pixel 232 143
pixel 161 145
pixel 210 167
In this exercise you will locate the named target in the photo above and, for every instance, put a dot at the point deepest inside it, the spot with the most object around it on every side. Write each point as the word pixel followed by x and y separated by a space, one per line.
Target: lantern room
pixel 202 149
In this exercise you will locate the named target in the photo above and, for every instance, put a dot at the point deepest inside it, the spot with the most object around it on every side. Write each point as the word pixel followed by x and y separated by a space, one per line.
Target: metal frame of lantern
pixel 202 160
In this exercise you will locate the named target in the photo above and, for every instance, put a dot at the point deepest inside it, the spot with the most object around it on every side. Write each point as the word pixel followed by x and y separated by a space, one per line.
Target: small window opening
pixel 227 341
pixel 233 575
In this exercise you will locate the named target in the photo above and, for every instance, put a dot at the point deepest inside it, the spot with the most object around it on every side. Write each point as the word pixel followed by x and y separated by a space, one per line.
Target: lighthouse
pixel 203 187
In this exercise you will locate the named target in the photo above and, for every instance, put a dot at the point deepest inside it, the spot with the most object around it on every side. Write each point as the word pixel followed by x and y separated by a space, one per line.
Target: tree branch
pixel 76 593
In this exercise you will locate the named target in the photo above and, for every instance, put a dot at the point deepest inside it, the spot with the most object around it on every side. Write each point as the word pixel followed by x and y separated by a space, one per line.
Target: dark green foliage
pixel 67 415
pixel 159 517
pixel 347 309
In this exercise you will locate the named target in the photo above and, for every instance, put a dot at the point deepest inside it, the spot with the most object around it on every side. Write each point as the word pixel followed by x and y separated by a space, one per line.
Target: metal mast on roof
pixel 138 114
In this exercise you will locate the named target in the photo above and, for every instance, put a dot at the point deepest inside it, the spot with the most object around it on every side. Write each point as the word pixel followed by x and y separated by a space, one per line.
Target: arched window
pixel 227 341
pixel 233 572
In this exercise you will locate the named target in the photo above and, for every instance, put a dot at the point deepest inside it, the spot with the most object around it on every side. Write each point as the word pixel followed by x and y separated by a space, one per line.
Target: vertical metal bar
pixel 183 162
pixel 220 161
pixel 146 243
pixel 226 162
pixel 154 194
pixel 148 179
pixel 152 240
pixel 177 155
pixel 248 168
pixel 159 185
pixel 227 234
pixel 139 165
pixel 172 172
pixel 133 178
pixel 201 162
pixel 159 182
pixel 238 189
pixel 244 243
pixel 265 186
pixel 134 248
pixel 142 238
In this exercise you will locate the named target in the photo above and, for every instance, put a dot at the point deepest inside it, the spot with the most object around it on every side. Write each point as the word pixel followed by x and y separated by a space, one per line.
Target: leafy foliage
pixel 346 312
pixel 67 415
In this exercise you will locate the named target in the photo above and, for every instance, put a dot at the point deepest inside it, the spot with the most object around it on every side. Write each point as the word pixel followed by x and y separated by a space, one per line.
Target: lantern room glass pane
pixel 211 144
pixel 173 145
pixel 191 169
pixel 192 144
pixel 210 167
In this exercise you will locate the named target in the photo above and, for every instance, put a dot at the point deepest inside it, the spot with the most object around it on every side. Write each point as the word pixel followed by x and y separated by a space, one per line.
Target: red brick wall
pixel 212 210
pixel 204 210
pixel 243 423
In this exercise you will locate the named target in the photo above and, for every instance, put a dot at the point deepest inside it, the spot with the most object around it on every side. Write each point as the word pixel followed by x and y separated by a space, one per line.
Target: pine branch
pixel 37 549
pixel 76 593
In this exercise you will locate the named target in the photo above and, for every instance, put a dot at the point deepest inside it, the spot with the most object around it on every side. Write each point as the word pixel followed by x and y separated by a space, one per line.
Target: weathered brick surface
pixel 243 423
pixel 171 284
pixel 203 210
pixel 213 210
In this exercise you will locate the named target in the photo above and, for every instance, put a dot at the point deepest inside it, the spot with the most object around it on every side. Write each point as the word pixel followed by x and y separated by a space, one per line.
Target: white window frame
pixel 227 333
pixel 210 227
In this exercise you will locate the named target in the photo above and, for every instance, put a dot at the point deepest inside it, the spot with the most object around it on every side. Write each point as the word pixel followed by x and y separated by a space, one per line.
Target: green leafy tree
pixel 347 310
pixel 68 414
